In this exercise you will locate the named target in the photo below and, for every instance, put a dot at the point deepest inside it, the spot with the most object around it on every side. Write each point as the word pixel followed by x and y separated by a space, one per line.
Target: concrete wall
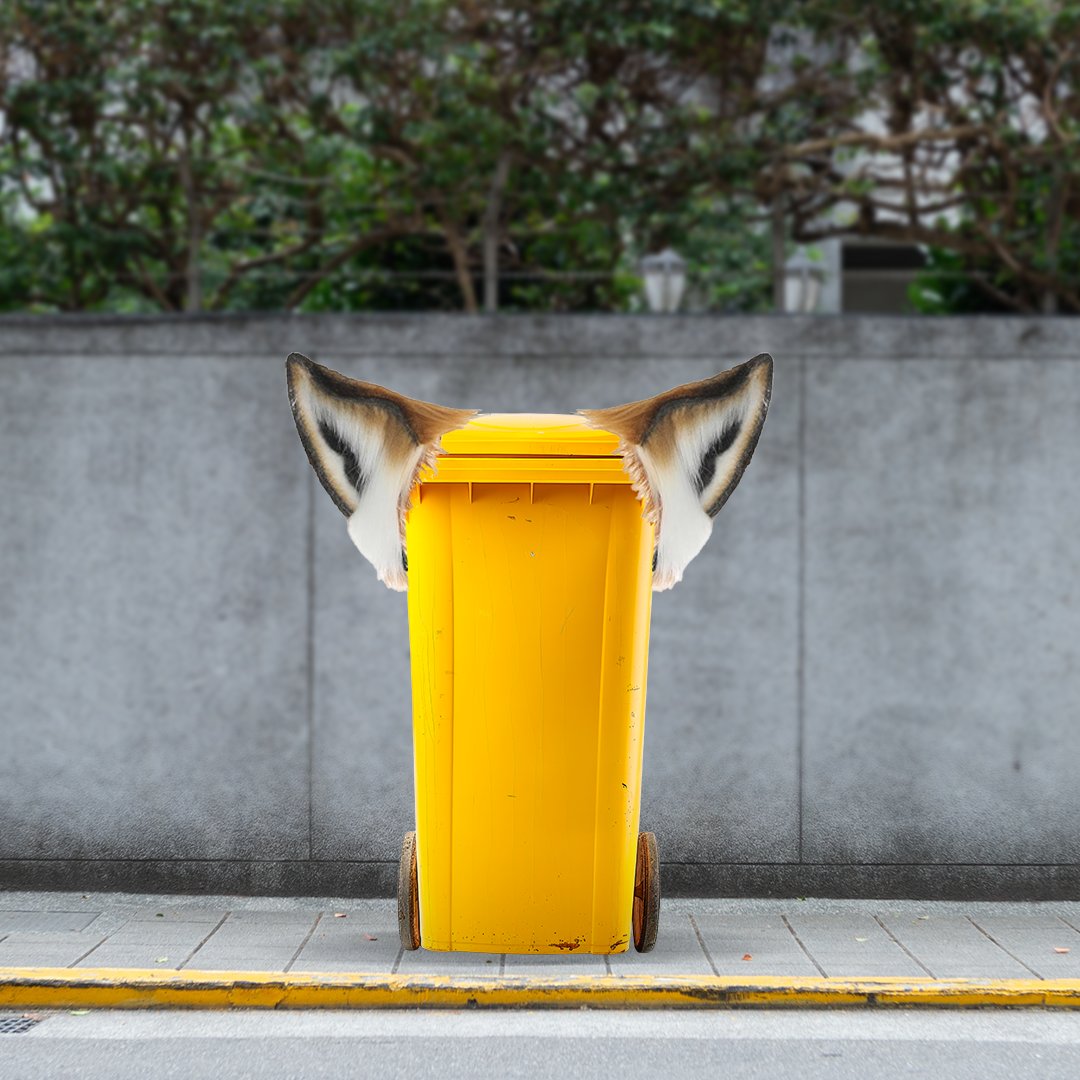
pixel 867 684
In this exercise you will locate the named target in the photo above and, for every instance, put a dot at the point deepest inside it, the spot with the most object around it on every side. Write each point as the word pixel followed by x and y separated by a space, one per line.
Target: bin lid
pixel 529 435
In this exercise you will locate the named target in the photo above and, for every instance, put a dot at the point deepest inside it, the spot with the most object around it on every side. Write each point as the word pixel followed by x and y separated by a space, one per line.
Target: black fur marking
pixel 655 558
pixel 339 446
pixel 720 445
pixel 404 561
pixel 749 446
pixel 724 385
pixel 334 384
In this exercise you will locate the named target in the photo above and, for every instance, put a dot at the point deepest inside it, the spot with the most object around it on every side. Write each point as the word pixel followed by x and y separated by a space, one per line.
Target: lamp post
pixel 803 279
pixel 665 280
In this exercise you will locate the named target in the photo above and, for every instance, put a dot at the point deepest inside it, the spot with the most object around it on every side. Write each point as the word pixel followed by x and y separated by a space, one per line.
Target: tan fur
pixel 687 447
pixel 635 421
pixel 426 420
pixel 658 434
pixel 430 422
pixel 393 438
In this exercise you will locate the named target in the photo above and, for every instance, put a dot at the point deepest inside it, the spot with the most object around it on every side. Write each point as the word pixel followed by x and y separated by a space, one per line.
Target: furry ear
pixel 686 450
pixel 367 445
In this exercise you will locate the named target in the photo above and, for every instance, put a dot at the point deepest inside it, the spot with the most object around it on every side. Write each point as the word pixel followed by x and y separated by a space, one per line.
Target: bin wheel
pixel 646 917
pixel 408 896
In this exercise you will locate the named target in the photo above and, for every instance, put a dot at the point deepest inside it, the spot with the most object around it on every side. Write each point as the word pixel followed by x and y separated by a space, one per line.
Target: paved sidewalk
pixel 743 942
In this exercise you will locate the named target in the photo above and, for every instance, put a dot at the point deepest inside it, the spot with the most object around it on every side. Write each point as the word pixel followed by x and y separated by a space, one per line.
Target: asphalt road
pixel 582 1045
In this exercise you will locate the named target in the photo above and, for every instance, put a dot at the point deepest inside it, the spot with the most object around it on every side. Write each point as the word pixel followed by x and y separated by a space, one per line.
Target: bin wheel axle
pixel 646 911
pixel 646 917
pixel 408 896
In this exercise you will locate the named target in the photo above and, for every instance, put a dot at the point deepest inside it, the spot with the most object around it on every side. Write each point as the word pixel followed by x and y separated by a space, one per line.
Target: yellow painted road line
pixel 121 988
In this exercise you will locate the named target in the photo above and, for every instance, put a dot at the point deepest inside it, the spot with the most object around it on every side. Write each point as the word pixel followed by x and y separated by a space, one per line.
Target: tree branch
pixel 459 253
pixel 358 245
pixel 150 287
pixel 238 270
pixel 492 213
pixel 887 143
pixel 1014 303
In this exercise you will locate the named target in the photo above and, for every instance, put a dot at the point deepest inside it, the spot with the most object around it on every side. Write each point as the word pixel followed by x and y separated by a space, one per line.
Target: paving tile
pixel 381 924
pixel 269 918
pixel 950 946
pixel 1063 921
pixel 341 945
pixel 846 941
pixel 771 946
pixel 269 935
pixel 179 914
pixel 426 962
pixel 110 920
pixel 553 965
pixel 46 920
pixel 42 954
pixel 1032 940
pixel 373 956
pixel 161 933
pixel 87 938
pixel 109 955
pixel 677 951
pixel 279 934
pixel 853 946
pixel 240 958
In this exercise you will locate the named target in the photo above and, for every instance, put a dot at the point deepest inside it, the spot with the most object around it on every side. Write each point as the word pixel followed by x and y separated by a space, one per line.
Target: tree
pixel 563 135
pixel 952 125
pixel 161 153
pixel 427 153
pixel 203 154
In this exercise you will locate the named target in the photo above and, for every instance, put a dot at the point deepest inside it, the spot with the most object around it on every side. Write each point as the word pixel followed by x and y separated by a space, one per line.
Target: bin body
pixel 530 583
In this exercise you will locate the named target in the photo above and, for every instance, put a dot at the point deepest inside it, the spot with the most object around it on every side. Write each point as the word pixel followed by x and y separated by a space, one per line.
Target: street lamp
pixel 665 280
pixel 803 279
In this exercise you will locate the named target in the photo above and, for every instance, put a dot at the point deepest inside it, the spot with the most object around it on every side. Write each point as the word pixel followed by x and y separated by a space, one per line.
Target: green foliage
pixel 946 287
pixel 966 282
pixel 342 153
pixel 976 151
pixel 132 132
pixel 355 154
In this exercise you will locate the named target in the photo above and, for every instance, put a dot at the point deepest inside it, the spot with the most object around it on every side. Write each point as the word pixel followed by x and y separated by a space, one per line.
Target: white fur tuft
pixel 685 451
pixel 375 524
pixel 684 526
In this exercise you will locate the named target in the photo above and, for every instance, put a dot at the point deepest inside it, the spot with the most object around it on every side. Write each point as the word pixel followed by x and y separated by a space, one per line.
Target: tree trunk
pixel 460 254
pixel 193 269
pixel 779 251
pixel 1054 223
pixel 492 213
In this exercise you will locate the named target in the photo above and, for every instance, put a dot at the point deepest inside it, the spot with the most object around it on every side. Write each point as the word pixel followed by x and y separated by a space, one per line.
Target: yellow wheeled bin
pixel 530 570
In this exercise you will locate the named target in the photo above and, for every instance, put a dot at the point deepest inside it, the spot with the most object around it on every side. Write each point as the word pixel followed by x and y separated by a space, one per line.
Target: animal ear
pixel 367 445
pixel 685 451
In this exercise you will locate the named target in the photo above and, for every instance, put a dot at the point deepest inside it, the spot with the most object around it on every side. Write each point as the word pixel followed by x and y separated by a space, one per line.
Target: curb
pixel 125 988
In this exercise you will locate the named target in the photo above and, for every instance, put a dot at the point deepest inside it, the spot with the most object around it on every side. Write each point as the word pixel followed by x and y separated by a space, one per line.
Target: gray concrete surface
pixel 849 938
pixel 741 1044
pixel 153 612
pixel 942 620
pixel 866 684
